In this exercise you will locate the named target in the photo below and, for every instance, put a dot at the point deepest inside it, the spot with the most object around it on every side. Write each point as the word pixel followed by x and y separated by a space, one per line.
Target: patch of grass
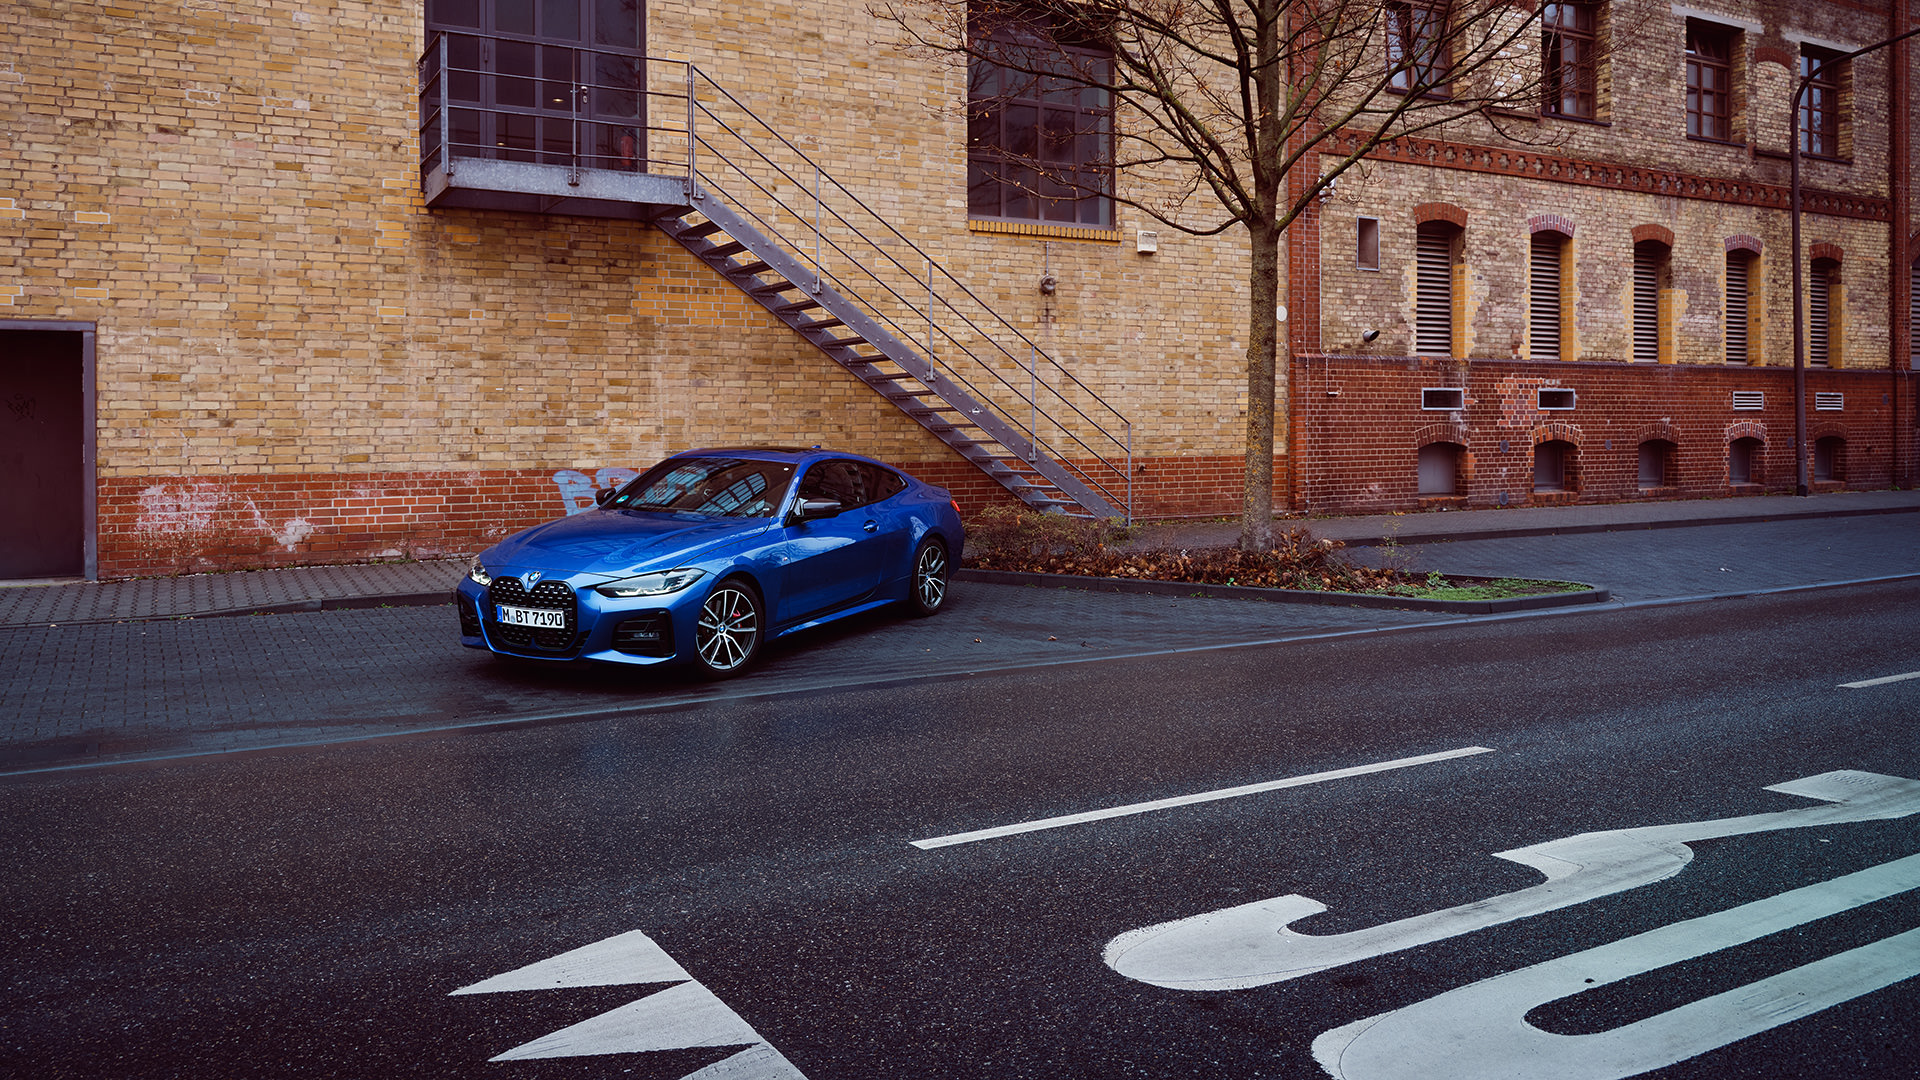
pixel 1436 587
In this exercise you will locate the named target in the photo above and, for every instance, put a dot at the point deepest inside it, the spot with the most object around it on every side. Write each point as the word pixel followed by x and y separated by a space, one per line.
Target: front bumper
pixel 646 631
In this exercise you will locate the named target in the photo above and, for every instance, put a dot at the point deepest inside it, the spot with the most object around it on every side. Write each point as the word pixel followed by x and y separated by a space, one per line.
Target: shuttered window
pixel 1647 258
pixel 1820 314
pixel 1738 265
pixel 1544 296
pixel 1433 291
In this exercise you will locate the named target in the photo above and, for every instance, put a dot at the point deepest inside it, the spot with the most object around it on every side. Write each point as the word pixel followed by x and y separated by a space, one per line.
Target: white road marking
pixel 624 958
pixel 679 1017
pixel 1480 1032
pixel 1189 800
pixel 1253 944
pixel 1882 681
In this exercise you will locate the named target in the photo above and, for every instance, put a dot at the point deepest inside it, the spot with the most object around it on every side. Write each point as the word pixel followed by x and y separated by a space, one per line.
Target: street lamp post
pixel 1801 487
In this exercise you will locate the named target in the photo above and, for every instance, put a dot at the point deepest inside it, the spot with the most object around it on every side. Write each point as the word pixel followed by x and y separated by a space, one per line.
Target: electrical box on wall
pixel 1146 241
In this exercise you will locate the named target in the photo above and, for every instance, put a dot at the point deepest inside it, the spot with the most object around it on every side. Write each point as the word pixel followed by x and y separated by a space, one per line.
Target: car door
pixel 833 561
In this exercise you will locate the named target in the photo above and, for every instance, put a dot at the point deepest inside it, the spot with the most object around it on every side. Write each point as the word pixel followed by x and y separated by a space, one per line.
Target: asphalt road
pixel 742 872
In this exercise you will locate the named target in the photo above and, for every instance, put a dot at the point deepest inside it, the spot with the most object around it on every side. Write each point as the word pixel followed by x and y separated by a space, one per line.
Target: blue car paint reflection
pixel 709 555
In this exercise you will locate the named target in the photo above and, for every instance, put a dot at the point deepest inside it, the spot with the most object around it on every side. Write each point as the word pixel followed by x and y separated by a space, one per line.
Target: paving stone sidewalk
pixel 318 588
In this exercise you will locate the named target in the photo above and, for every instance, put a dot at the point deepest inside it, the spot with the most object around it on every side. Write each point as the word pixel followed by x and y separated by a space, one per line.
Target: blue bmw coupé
pixel 709 555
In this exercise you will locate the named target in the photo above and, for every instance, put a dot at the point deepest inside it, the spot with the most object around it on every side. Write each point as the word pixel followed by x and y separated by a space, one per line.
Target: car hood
pixel 618 541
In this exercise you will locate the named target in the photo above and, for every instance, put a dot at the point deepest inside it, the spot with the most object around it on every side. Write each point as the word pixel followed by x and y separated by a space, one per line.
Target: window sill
pixel 1439 93
pixel 1588 120
pixel 1825 158
pixel 1043 229
pixel 1717 142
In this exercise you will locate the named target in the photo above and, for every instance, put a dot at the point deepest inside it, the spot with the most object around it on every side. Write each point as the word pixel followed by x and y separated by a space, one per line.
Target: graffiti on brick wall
pixel 201 509
pixel 577 488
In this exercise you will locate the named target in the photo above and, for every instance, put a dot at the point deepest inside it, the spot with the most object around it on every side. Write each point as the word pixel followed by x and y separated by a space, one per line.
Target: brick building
pixel 389 278
pixel 1601 308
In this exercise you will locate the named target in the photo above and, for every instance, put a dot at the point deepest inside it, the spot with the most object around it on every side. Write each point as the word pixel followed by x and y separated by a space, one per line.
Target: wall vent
pixel 1749 400
pixel 1443 397
pixel 1829 402
pixel 1556 399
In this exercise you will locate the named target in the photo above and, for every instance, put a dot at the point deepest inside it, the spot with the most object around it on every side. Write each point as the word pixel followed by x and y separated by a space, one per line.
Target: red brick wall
pixel 1359 428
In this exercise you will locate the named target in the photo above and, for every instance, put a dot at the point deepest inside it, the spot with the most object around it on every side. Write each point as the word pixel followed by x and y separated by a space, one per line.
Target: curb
pixel 1613 526
pixel 1593 594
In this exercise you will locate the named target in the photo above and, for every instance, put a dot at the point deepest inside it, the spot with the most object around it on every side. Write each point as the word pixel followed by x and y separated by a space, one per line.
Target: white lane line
pixel 1189 800
pixel 1881 681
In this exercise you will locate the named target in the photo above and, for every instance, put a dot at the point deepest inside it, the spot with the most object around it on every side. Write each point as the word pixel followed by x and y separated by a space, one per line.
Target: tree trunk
pixel 1263 296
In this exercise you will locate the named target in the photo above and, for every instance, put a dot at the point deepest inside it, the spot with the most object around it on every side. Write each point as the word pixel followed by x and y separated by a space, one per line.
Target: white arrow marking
pixel 625 958
pixel 1252 944
pixel 681 1017
pixel 1480 1032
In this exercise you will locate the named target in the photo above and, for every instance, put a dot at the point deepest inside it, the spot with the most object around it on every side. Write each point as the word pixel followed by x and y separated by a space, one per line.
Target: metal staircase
pixel 762 214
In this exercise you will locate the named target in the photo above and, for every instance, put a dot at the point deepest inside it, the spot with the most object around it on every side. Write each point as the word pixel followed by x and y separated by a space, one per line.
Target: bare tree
pixel 1219 102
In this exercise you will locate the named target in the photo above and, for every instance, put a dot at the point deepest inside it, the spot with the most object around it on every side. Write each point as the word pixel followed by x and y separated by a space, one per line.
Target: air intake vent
pixel 1441 397
pixel 1829 402
pixel 1749 400
pixel 1557 400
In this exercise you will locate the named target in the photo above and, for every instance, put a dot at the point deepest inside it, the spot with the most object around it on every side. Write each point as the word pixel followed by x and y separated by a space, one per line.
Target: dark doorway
pixel 44 453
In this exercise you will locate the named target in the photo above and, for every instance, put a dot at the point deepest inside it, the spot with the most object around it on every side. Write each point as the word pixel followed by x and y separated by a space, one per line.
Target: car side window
pixel 842 481
pixel 882 483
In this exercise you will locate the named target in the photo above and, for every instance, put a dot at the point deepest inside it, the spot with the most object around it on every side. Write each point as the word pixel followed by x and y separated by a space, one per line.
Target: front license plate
pixel 535 617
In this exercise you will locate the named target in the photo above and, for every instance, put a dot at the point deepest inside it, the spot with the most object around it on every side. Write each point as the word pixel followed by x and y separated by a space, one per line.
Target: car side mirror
pixel 815 509
pixel 600 497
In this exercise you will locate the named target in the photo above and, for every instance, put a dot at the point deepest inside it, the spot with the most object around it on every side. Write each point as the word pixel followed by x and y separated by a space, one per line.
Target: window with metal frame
pixel 1039 125
pixel 1417 61
pixel 1649 266
pixel 1569 50
pixel 1433 289
pixel 1820 104
pixel 1709 81
pixel 1543 296
pixel 1738 313
pixel 546 81
pixel 1821 280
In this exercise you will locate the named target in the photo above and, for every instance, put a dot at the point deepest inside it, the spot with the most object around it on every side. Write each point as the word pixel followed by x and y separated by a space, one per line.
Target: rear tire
pixel 729 630
pixel 927 592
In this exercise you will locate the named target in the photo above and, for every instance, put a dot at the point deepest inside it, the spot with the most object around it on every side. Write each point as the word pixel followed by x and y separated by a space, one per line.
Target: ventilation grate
pixel 1433 288
pixel 1749 400
pixel 1443 397
pixel 1646 304
pixel 1544 302
pixel 1829 402
pixel 1737 317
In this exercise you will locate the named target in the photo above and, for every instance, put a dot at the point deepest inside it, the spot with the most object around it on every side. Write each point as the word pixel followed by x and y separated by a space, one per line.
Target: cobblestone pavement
pixel 93 672
pixel 145 689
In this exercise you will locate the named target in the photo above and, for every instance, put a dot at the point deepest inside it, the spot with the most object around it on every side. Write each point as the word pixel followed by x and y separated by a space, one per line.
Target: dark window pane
pixel 453 13
pixel 513 16
pixel 616 23
pixel 1022 131
pixel 560 19
pixel 513 59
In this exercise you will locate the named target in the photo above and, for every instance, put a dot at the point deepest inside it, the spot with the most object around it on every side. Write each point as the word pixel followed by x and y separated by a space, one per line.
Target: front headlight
pixel 477 573
pixel 659 583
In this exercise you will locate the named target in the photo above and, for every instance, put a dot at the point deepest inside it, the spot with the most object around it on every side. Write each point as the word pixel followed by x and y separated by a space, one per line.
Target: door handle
pixel 871 526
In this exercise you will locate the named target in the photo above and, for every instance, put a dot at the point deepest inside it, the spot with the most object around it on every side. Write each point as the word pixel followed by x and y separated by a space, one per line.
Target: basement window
pixel 1443 397
pixel 1556 400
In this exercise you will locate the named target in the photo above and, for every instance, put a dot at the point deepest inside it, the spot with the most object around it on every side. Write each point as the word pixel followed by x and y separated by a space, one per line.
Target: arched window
pixel 1440 468
pixel 1739 313
pixel 1553 466
pixel 1433 288
pixel 1650 331
pixel 1743 460
pixel 1823 314
pixel 1830 458
pixel 1656 463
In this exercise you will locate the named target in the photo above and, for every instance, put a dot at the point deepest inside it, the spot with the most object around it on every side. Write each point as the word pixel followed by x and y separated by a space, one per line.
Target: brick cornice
pixel 1516 161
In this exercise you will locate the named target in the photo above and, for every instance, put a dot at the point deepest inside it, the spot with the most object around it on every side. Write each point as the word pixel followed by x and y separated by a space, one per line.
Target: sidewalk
pixel 319 588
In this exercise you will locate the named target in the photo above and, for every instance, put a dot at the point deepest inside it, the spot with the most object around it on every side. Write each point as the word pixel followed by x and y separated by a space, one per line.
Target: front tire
pixel 931 571
pixel 728 632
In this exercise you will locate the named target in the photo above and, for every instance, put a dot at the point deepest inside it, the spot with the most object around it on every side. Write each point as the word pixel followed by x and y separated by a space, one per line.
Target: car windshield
pixel 714 487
